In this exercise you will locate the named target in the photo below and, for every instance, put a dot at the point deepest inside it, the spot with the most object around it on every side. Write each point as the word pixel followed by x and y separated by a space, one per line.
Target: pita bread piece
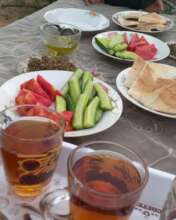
pixel 127 23
pixel 134 71
pixel 152 18
pixel 155 91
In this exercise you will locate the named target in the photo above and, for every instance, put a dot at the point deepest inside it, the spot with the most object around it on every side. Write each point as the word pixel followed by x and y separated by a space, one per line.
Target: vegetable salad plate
pixel 58 79
pixel 120 83
pixel 149 207
pixel 142 21
pixel 123 46
pixel 85 20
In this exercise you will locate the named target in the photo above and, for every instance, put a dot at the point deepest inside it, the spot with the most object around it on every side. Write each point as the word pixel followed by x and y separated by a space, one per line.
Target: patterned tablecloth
pixel 152 136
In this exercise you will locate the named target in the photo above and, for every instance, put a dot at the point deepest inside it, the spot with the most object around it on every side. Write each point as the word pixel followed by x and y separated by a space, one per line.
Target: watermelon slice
pixel 147 52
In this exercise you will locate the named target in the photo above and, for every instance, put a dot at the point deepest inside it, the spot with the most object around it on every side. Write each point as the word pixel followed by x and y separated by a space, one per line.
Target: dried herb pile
pixel 49 63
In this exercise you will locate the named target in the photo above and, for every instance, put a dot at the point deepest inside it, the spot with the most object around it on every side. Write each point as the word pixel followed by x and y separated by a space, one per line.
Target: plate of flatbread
pixel 150 86
pixel 142 21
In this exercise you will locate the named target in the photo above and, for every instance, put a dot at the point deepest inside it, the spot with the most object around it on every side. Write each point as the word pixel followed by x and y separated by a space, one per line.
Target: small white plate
pixel 149 206
pixel 162 53
pixel 125 13
pixel 124 91
pixel 85 20
pixel 10 89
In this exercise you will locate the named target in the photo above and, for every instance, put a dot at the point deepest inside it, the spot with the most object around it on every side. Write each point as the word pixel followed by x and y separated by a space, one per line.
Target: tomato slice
pixel 48 88
pixel 26 96
pixel 34 86
pixel 68 116
pixel 147 52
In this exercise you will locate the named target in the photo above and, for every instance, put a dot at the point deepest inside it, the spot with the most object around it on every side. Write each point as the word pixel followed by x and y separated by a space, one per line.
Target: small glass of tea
pixel 105 181
pixel 30 147
pixel 61 39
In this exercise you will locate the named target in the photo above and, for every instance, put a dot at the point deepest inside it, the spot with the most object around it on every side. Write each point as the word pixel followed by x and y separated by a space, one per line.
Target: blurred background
pixel 11 10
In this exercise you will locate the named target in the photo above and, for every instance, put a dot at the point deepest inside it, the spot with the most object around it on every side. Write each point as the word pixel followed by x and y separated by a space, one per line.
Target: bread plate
pixel 122 76
pixel 115 18
pixel 162 47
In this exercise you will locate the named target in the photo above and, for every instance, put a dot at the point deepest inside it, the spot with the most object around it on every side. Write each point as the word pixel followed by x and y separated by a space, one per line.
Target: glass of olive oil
pixel 61 39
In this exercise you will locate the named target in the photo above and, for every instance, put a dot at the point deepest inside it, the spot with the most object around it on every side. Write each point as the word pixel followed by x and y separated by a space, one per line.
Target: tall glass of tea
pixel 31 139
pixel 105 180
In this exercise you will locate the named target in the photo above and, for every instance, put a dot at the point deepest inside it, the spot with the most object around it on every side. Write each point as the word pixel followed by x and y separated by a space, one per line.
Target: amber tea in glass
pixel 105 181
pixel 30 149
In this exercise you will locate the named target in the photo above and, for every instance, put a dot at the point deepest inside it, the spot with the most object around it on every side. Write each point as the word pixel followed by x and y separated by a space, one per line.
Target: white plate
pixel 149 206
pixel 162 53
pixel 124 91
pixel 85 20
pixel 124 13
pixel 58 78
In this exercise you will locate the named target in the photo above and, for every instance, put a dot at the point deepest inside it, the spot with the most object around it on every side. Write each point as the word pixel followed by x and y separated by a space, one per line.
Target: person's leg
pixel 135 4
pixel 157 6
pixel 94 1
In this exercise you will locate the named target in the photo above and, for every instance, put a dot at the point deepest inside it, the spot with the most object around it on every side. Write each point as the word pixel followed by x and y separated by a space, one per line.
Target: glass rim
pixel 2 131
pixel 106 195
pixel 43 26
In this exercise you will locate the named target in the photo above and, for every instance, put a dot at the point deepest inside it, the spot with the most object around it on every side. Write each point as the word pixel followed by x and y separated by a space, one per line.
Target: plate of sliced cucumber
pixel 95 106
pixel 125 46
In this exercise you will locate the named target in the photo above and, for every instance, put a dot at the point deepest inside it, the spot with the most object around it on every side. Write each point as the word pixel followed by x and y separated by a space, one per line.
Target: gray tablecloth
pixel 152 136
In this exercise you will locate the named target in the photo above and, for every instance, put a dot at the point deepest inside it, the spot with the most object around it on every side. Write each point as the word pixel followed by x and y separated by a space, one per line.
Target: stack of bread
pixel 153 85
pixel 143 22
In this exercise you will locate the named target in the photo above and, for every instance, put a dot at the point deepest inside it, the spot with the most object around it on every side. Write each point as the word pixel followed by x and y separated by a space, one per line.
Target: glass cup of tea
pixel 105 180
pixel 61 39
pixel 31 141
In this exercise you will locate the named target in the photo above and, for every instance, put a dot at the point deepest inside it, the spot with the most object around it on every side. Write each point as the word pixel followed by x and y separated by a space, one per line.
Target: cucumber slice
pixel 65 89
pixel 79 112
pixel 105 101
pixel 98 116
pixel 86 76
pixel 78 73
pixel 120 47
pixel 129 55
pixel 103 42
pixel 60 104
pixel 89 89
pixel 116 39
pixel 74 89
pixel 70 104
pixel 111 51
pixel 90 113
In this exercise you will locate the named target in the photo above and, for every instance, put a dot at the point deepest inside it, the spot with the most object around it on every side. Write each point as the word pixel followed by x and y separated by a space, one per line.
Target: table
pixel 152 136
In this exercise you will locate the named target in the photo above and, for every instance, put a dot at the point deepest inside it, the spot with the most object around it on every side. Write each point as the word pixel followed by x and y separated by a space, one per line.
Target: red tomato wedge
pixel 42 100
pixel 38 110
pixel 142 47
pixel 26 96
pixel 48 88
pixel 135 38
pixel 34 86
pixel 146 51
pixel 68 116
pixel 137 41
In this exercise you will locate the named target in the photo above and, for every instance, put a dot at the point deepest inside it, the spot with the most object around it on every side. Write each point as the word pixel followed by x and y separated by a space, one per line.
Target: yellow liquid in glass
pixel 59 51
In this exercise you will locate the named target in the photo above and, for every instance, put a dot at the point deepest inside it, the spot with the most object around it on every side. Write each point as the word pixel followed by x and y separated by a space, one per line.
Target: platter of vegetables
pixel 125 46
pixel 87 104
